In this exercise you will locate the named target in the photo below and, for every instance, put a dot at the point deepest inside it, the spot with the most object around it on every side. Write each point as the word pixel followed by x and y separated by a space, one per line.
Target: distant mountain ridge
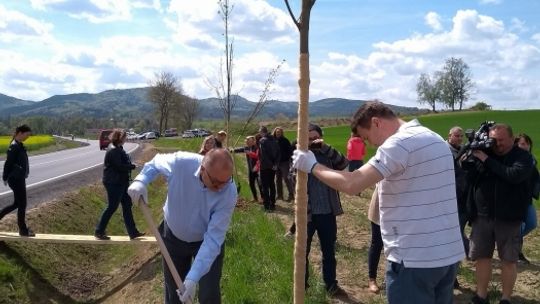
pixel 134 103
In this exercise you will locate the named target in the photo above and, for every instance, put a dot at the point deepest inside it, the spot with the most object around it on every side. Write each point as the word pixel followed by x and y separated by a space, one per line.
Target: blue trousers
pixel 420 285
pixel 530 221
pixel 117 194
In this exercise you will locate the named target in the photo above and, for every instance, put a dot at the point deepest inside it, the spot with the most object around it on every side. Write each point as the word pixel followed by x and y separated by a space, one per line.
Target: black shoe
pixel 101 236
pixel 504 302
pixel 290 199
pixel 279 198
pixel 136 235
pixel 456 284
pixel 27 233
pixel 477 300
pixel 522 259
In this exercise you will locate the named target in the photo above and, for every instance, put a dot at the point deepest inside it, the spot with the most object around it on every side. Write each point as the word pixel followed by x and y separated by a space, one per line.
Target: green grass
pixel 521 122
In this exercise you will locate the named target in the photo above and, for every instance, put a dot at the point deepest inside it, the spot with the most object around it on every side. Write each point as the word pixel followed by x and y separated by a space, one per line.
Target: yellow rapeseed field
pixel 34 142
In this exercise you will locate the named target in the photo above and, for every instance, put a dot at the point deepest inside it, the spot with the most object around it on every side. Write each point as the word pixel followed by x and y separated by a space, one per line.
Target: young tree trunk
pixel 301 179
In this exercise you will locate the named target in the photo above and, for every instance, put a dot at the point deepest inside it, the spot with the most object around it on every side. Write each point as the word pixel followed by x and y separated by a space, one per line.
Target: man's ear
pixel 375 122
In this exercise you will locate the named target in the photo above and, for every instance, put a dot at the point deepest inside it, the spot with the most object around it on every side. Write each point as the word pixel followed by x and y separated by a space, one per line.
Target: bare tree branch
pixel 292 14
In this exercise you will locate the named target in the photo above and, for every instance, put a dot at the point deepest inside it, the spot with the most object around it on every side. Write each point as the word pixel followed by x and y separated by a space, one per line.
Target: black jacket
pixel 285 149
pixel 269 154
pixel 117 166
pixel 500 187
pixel 16 166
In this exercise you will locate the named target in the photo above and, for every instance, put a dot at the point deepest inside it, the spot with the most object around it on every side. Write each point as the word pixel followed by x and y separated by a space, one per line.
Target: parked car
pixel 170 132
pixel 148 135
pixel 188 134
pixel 104 140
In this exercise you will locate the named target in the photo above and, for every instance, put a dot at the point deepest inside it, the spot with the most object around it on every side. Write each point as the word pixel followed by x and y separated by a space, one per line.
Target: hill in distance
pixel 134 103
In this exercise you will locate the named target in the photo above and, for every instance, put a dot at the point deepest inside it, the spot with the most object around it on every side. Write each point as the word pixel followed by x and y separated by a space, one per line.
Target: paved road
pixel 48 170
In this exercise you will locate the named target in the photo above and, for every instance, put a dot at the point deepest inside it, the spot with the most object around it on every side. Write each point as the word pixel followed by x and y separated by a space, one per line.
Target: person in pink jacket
pixel 356 150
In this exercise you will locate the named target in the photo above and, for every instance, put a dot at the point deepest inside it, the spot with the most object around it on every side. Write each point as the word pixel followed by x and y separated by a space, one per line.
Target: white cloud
pixel 199 25
pixel 15 26
pixel 536 37
pixel 501 64
pixel 95 11
pixel 433 20
pixel 518 26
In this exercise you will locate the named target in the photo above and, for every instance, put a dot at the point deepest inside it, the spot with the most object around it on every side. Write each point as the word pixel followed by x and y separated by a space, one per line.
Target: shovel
pixel 164 252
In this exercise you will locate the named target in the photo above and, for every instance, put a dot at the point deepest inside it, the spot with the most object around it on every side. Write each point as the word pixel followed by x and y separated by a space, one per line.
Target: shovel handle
pixel 164 252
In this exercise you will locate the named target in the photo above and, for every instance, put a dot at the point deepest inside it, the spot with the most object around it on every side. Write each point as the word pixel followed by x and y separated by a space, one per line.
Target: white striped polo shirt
pixel 417 199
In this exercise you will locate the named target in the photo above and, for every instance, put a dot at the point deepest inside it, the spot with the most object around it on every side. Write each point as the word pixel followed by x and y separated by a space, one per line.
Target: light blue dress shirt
pixel 193 212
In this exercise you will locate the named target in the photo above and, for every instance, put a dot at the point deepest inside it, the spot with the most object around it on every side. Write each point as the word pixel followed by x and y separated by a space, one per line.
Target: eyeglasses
pixel 216 182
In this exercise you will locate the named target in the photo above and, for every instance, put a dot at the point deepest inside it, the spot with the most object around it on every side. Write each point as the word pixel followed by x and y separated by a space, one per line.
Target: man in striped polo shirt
pixel 417 202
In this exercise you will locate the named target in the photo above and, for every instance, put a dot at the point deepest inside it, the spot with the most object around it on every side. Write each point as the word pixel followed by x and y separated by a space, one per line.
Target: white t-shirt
pixel 417 199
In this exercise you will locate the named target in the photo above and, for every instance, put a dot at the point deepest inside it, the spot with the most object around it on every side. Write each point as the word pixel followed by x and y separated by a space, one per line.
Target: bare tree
pixel 190 111
pixel 227 101
pixel 302 24
pixel 428 91
pixel 163 90
pixel 455 83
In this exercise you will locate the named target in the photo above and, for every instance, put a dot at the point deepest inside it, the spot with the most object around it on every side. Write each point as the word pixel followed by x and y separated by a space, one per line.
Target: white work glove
pixel 189 291
pixel 136 190
pixel 303 160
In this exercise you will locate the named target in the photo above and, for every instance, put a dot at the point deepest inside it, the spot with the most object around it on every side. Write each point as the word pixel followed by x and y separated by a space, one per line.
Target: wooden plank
pixel 70 238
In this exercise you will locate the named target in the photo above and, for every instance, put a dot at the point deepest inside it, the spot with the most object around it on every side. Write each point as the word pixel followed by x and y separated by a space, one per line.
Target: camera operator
pixel 498 201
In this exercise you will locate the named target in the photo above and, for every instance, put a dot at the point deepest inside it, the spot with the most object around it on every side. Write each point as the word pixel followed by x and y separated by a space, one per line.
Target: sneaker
pixel 102 236
pixel 288 234
pixel 336 291
pixel 27 233
pixel 372 286
pixel 279 198
pixel 477 300
pixel 522 259
pixel 136 235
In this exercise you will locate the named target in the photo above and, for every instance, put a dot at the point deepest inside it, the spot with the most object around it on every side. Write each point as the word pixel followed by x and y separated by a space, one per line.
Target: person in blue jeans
pixel 116 172
pixel 524 141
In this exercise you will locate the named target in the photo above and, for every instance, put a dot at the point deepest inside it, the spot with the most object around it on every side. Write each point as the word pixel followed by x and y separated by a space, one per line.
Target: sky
pixel 359 49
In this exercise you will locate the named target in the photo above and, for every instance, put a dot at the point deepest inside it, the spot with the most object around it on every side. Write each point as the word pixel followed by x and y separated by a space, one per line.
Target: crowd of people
pixel 426 190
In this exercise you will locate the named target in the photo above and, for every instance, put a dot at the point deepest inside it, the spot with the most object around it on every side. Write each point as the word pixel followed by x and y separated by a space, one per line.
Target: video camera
pixel 478 140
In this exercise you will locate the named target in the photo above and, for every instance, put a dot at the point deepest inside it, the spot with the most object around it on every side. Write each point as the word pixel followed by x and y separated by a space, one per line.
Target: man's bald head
pixel 219 159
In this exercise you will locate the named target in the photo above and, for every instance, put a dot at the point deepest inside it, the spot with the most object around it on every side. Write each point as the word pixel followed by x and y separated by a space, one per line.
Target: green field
pixel 520 121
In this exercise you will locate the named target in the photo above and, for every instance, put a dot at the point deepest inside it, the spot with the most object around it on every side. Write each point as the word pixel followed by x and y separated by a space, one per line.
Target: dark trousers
pixel 268 188
pixel 182 254
pixel 18 186
pixel 326 228
pixel 254 180
pixel 117 194
pixel 463 219
pixel 375 248
pixel 355 164
pixel 282 175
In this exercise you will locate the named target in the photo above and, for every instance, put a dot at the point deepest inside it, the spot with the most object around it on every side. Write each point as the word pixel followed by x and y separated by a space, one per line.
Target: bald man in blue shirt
pixel 201 197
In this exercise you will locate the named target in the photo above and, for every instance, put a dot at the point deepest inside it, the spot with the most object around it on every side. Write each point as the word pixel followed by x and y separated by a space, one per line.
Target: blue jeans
pixel 326 227
pixel 420 285
pixel 116 194
pixel 530 221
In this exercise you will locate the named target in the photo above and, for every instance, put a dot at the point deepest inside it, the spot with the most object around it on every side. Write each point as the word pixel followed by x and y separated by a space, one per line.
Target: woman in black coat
pixel 116 172
pixel 16 170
